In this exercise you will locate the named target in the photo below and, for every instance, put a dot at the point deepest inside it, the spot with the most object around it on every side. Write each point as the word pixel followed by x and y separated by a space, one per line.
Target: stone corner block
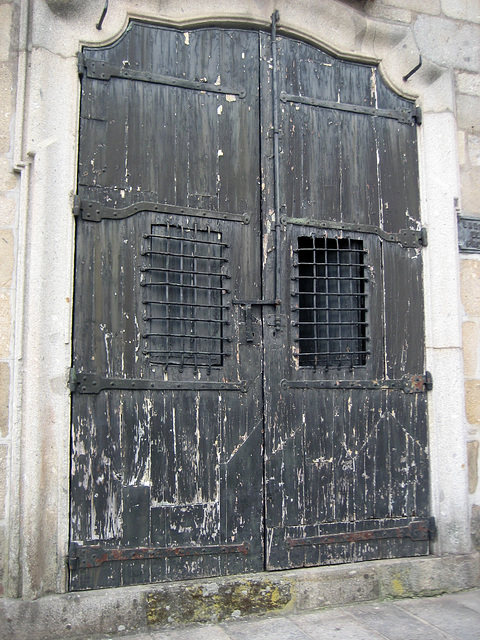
pixel 472 457
pixel 468 112
pixel 5 324
pixel 6 260
pixel 468 10
pixel 431 7
pixel 470 181
pixel 5 30
pixel 384 12
pixel 4 397
pixel 8 180
pixel 3 478
pixel 470 348
pixel 468 83
pixel 417 577
pixel 7 211
pixel 472 401
pixel 470 285
pixel 475 526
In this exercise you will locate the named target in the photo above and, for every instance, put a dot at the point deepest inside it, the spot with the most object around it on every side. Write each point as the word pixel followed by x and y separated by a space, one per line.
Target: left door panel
pixel 166 478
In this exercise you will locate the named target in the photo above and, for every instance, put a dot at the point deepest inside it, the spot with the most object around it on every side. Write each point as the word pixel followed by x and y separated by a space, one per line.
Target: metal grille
pixel 185 296
pixel 331 311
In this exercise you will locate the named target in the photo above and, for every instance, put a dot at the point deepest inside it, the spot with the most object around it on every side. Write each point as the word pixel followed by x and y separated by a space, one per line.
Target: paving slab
pixel 267 629
pixel 335 624
pixel 207 632
pixel 470 599
pixel 395 623
pixel 446 614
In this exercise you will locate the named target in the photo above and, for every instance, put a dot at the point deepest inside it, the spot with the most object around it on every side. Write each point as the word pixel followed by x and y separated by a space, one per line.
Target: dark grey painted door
pixel 345 411
pixel 167 410
pixel 248 311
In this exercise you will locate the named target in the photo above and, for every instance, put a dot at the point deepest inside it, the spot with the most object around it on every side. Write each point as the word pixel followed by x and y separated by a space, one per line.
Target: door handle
pixel 248 304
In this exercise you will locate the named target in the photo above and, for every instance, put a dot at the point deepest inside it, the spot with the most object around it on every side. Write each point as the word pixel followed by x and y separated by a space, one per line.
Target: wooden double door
pixel 248 387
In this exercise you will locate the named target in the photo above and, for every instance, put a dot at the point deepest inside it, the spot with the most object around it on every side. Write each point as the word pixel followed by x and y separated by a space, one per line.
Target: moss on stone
pixel 215 602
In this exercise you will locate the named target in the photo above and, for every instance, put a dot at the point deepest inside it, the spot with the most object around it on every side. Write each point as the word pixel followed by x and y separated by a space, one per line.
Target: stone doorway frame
pixel 45 156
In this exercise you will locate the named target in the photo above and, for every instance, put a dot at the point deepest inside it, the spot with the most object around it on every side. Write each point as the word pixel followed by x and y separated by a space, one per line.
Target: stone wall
pixel 467 85
pixel 9 13
pixel 447 33
pixel 34 422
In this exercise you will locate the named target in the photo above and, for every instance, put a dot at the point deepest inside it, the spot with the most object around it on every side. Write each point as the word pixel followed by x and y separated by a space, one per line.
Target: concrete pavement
pixel 446 617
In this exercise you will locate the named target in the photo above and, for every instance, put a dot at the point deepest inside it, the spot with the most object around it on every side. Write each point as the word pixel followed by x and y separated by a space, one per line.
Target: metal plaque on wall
pixel 469 234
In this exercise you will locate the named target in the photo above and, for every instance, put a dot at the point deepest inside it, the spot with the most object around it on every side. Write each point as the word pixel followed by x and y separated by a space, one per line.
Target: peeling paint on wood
pixel 248 463
pixel 344 461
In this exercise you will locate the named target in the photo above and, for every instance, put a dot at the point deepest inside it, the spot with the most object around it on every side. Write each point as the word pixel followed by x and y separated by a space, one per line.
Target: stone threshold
pixel 212 600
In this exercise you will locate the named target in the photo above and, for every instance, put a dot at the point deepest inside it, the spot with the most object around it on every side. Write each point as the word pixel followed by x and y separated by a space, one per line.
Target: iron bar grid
pixel 185 313
pixel 329 286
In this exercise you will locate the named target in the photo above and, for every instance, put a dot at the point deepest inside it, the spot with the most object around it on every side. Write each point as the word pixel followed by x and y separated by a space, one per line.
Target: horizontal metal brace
pixel 100 70
pixel 91 556
pixel 93 383
pixel 416 531
pixel 410 383
pixel 95 211
pixel 405 116
pixel 408 238
pixel 253 303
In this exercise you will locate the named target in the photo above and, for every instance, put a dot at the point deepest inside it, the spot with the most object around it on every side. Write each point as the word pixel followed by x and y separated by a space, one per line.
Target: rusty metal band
pixel 89 383
pixel 416 531
pixel 95 211
pixel 408 238
pixel 405 116
pixel 91 556
pixel 101 70
pixel 410 383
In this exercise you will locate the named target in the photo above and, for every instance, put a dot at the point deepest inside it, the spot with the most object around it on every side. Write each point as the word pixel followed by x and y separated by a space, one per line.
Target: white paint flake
pixel 230 98
pixel 373 87
pixel 186 35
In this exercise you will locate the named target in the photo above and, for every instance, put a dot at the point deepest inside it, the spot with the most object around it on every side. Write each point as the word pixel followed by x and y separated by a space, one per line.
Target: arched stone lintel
pixel 340 30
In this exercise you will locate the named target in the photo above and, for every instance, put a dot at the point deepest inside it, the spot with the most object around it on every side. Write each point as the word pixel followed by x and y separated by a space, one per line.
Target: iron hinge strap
pixel 77 206
pixel 80 63
pixel 410 383
pixel 417 530
pixel 72 383
pixel 95 211
pixel 407 238
pixel 91 383
pixel 91 556
pixel 418 115
pixel 102 70
pixel 405 116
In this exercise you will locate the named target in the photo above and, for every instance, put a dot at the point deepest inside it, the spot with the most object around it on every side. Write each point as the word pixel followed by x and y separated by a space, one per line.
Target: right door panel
pixel 345 403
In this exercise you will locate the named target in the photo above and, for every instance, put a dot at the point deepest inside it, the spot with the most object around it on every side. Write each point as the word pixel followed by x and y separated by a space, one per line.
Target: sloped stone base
pixel 215 599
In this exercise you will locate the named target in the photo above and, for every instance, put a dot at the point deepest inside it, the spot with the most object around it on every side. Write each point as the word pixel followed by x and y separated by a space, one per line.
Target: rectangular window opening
pixel 184 296
pixel 331 295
